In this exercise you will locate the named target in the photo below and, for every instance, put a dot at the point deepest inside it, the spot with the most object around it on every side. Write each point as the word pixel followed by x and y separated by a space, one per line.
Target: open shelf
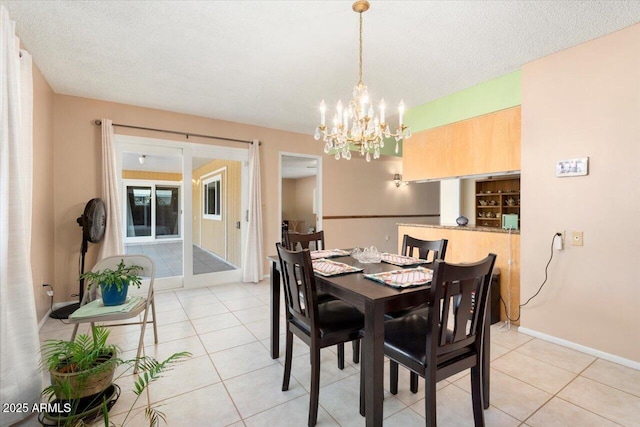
pixel 499 191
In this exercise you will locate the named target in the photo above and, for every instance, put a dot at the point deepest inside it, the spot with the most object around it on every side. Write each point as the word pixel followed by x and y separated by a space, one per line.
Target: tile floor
pixel 232 381
pixel 168 258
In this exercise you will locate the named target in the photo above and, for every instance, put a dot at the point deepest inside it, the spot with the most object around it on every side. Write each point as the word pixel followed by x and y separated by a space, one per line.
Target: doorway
pixel 182 209
pixel 300 193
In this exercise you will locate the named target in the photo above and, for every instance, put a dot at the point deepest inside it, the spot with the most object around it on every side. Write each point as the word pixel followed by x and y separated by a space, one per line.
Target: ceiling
pixel 293 167
pixel 158 163
pixel 270 63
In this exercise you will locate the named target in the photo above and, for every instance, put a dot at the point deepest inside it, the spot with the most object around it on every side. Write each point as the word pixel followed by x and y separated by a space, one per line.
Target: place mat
pixel 97 308
pixel 328 253
pixel 405 278
pixel 401 260
pixel 326 267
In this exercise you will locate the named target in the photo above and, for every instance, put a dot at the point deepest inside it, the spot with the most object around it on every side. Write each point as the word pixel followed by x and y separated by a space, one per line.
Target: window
pixel 212 200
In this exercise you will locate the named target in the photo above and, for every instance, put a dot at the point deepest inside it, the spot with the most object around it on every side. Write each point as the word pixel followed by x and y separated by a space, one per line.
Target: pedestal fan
pixel 93 222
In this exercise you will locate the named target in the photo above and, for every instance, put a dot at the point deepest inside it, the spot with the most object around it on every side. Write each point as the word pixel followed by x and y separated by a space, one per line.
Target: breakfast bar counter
pixel 462 228
pixel 470 244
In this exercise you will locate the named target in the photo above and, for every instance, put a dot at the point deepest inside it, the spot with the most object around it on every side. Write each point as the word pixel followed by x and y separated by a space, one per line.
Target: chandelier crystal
pixel 356 126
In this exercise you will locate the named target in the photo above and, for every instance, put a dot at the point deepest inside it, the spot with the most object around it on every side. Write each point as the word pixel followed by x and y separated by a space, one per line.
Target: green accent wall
pixel 493 95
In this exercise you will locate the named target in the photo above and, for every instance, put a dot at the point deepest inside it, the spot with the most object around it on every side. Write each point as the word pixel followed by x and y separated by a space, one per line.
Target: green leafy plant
pixel 86 357
pixel 122 275
pixel 89 355
pixel 149 370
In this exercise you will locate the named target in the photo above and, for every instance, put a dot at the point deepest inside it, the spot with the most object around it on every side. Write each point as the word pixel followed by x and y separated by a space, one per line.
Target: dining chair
pixel 319 325
pixel 450 338
pixel 436 248
pixel 147 303
pixel 428 250
pixel 294 240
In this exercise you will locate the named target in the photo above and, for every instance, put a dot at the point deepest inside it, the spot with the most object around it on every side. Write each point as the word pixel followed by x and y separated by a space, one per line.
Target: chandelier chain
pixel 360 71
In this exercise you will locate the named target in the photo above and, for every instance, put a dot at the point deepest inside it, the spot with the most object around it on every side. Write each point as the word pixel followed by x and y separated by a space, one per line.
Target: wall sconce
pixel 397 179
pixel 142 158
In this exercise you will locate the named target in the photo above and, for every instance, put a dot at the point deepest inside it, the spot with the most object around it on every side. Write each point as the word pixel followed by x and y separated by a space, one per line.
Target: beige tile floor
pixel 232 381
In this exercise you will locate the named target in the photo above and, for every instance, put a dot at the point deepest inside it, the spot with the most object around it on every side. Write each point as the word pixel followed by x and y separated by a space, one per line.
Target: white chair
pixel 148 272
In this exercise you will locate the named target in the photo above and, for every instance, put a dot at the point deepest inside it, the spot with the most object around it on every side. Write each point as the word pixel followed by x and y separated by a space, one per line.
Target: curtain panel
pixel 252 265
pixel 20 378
pixel 113 242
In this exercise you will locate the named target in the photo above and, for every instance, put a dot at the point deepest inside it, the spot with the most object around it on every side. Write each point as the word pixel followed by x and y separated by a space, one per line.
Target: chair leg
pixel 75 331
pixel 287 360
pixel 476 396
pixel 393 377
pixel 143 328
pixel 430 397
pixel 413 385
pixel 315 386
pixel 340 356
pixel 355 345
pixel 155 324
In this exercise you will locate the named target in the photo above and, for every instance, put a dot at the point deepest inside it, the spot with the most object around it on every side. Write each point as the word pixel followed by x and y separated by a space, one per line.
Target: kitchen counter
pixel 465 228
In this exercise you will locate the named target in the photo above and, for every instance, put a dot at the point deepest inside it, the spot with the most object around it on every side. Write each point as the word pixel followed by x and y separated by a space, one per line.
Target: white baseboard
pixel 44 319
pixel 579 347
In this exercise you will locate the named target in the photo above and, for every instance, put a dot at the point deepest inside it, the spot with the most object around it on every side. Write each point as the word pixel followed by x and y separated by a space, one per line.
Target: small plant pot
pixel 111 295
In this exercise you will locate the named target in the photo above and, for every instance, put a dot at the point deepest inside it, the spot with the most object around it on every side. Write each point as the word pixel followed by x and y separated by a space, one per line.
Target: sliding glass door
pixel 184 205
pixel 152 211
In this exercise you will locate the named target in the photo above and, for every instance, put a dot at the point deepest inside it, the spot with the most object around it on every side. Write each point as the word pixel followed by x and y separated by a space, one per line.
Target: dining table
pixel 374 299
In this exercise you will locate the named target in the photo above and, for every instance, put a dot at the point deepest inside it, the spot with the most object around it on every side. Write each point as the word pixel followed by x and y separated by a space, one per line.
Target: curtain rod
pixel 174 132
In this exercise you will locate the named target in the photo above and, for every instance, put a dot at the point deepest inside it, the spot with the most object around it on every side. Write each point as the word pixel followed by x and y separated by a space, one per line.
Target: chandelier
pixel 356 126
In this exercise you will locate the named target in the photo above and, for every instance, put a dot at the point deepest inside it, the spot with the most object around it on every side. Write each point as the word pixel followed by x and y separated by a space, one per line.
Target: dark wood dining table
pixel 374 300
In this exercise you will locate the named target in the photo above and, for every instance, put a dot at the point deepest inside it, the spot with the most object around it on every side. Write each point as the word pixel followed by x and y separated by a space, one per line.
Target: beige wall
pixel 42 236
pixel 210 234
pixel 584 101
pixel 350 187
pixel 297 202
pixel 288 198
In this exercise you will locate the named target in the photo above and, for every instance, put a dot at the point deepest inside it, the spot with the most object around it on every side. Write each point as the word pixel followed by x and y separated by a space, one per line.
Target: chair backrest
pixel 148 272
pixel 293 240
pixel 437 248
pixel 454 325
pixel 299 285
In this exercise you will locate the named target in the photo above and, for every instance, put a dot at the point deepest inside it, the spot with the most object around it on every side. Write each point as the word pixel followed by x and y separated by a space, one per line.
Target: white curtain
pixel 20 378
pixel 112 244
pixel 252 265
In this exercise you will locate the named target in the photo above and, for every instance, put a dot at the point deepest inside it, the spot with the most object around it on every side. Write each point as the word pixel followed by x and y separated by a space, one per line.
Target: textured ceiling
pixel 270 63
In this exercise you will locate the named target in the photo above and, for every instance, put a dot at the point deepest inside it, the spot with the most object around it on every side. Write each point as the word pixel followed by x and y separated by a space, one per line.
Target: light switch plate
pixel 576 238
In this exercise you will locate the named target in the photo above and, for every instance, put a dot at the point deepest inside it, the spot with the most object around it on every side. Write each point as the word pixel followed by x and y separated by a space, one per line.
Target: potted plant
pixel 82 375
pixel 81 367
pixel 114 284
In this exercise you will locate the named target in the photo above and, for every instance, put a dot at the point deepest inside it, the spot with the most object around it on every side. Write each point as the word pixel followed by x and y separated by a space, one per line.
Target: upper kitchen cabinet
pixel 481 145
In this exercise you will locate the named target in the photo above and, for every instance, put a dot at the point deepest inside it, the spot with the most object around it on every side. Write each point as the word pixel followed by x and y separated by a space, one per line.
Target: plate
pixel 405 278
pixel 401 260
pixel 326 267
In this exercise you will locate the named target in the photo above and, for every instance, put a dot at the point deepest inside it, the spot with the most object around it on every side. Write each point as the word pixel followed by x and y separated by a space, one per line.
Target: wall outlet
pixel 576 238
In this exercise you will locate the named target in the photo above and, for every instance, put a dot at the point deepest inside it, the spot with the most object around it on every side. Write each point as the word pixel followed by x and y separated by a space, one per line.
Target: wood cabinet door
pixel 485 144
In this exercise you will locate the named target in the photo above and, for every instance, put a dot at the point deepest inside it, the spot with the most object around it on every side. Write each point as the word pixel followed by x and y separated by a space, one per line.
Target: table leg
pixel 275 311
pixel 486 360
pixel 374 362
